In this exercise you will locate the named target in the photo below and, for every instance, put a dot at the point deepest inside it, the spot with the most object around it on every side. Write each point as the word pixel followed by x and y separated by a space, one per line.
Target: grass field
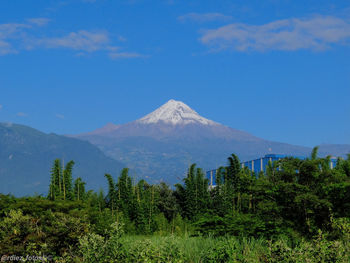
pixel 210 249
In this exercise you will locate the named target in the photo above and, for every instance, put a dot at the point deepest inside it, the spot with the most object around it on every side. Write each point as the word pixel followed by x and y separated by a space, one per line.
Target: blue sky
pixel 277 69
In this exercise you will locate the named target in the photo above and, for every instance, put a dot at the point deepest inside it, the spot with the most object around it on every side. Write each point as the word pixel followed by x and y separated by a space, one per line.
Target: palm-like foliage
pixel 314 153
pixel 111 196
pixel 61 181
pixel 79 189
pixel 67 181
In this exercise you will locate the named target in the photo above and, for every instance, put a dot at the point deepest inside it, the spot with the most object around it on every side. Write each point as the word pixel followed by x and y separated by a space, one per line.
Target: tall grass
pixel 197 249
pixel 231 249
pixel 131 248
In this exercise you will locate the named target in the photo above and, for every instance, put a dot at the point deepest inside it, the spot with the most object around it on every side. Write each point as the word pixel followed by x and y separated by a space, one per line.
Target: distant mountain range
pixel 161 145
pixel 157 147
pixel 26 157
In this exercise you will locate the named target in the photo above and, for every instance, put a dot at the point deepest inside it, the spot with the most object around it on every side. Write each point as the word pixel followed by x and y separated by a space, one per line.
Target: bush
pixel 95 248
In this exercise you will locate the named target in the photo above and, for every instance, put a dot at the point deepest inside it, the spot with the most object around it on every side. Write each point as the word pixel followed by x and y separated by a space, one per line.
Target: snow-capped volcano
pixel 175 113
pixel 162 144
pixel 172 120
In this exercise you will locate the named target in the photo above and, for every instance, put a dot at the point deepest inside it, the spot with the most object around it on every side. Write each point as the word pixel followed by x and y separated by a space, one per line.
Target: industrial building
pixel 260 165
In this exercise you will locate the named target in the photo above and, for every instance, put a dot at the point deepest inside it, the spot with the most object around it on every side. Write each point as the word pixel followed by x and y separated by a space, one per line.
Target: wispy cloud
pixel 10 29
pixel 201 18
pixel 39 21
pixel 122 39
pixel 314 33
pixel 86 41
pixel 1 107
pixel 60 116
pixel 15 37
pixel 120 55
pixel 82 40
pixel 22 114
pixel 10 34
pixel 6 48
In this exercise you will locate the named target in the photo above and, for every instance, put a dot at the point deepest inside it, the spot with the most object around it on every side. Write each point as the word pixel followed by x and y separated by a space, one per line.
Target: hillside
pixel 26 156
pixel 161 145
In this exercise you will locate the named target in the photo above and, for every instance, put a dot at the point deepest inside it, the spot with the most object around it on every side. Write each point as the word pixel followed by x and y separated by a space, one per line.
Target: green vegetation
pixel 299 211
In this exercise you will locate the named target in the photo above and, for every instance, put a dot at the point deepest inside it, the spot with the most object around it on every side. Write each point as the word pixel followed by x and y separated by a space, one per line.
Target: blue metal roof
pixel 260 164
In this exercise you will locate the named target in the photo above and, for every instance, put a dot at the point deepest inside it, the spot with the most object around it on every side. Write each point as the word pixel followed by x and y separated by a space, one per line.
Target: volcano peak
pixel 175 113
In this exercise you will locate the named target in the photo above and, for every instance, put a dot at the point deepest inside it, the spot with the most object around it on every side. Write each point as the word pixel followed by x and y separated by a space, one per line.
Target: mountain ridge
pixel 27 154
pixel 172 119
pixel 155 151
pixel 162 144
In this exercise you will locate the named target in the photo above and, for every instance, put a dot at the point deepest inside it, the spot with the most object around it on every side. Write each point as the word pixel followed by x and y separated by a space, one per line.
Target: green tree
pixel 67 181
pixel 55 189
pixel 193 196
pixel 79 189
pixel 61 181
pixel 112 193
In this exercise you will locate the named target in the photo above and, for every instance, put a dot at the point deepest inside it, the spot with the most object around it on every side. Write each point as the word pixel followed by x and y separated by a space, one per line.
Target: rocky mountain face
pixel 26 157
pixel 161 145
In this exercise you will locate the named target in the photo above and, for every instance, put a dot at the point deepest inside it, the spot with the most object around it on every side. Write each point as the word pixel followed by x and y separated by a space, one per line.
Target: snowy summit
pixel 175 113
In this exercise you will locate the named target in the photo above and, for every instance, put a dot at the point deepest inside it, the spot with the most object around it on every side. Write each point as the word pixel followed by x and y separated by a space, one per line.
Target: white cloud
pixel 122 39
pixel 60 116
pixel 82 40
pixel 22 114
pixel 15 37
pixel 6 48
pixel 201 18
pixel 41 21
pixel 315 33
pixel 112 48
pixel 11 32
pixel 11 29
pixel 116 55
pixel 1 107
